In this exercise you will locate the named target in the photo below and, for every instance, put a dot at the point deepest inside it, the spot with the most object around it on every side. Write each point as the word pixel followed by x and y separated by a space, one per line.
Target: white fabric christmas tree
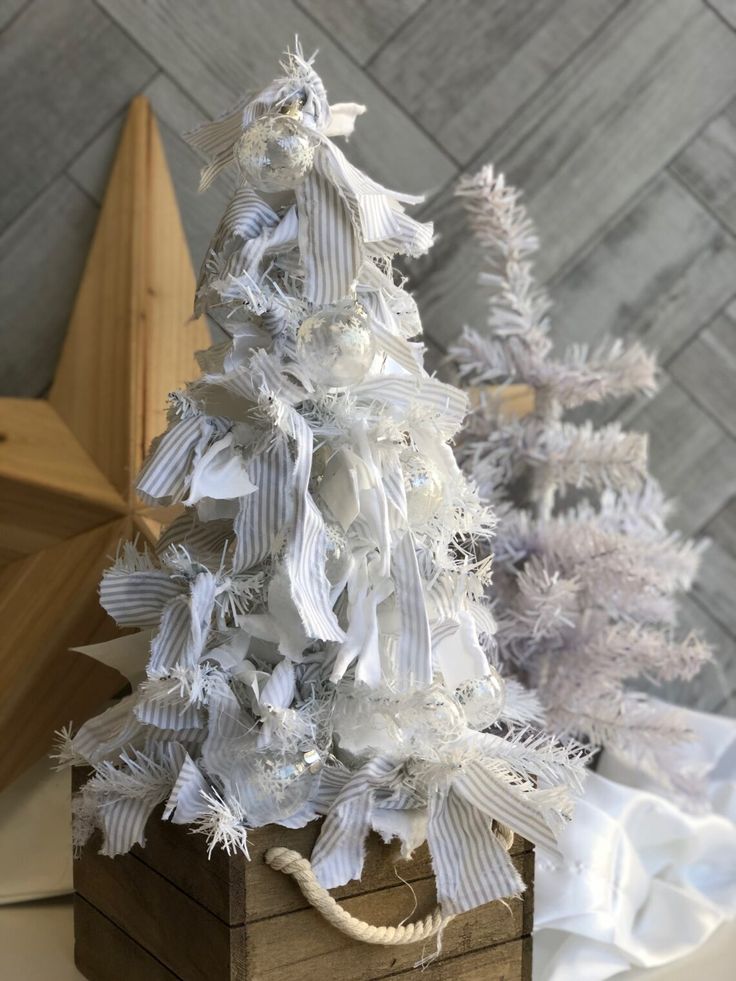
pixel 313 639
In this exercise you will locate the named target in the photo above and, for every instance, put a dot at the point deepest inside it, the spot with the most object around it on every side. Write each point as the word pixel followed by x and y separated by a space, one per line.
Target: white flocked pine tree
pixel 585 583
pixel 313 635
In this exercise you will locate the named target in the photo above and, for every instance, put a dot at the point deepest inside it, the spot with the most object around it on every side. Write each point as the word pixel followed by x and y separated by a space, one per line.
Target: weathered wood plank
pixel 708 163
pixel 361 28
pixel 714 587
pixel 692 457
pixel 237 890
pixel 509 50
pixel 10 9
pixel 505 961
pixel 706 368
pixel 103 952
pixel 593 138
pixel 665 268
pixel 42 255
pixel 50 111
pixel 723 527
pixel 180 933
pixel 315 952
pixel 216 55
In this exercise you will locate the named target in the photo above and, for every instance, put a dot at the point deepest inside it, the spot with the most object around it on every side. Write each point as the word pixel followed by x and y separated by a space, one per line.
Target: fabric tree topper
pixel 313 639
pixel 585 585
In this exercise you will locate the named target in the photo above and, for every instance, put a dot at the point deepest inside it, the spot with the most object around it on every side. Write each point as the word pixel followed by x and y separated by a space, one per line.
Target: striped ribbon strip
pixel 414 650
pixel 263 515
pixel 184 628
pixel 339 852
pixel 307 540
pixel 137 599
pixel 471 867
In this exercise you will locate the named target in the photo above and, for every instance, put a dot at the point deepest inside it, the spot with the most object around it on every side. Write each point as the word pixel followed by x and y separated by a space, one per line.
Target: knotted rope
pixel 300 869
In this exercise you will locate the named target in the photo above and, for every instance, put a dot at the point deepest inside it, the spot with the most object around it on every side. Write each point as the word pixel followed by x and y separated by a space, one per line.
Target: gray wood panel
pixel 10 9
pixel 175 113
pixel 706 368
pixel 722 528
pixel 690 454
pixel 661 271
pixel 65 69
pixel 219 50
pixel 707 166
pixel 726 8
pixel 509 50
pixel 597 134
pixel 42 256
pixel 359 27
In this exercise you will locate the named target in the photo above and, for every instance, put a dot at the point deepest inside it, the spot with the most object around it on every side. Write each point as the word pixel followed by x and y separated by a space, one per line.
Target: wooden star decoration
pixel 68 463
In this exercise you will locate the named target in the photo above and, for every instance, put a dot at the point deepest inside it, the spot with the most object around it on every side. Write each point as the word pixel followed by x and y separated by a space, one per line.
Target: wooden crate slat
pixel 174 928
pixel 511 961
pixel 219 882
pixel 104 952
pixel 315 951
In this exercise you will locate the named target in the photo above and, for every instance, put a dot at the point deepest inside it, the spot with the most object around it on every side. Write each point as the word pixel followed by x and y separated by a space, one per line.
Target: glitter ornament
pixel 423 492
pixel 275 153
pixel 335 345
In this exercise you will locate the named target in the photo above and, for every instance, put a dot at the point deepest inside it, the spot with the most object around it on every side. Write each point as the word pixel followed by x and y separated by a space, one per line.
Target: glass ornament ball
pixel 275 153
pixel 482 699
pixel 424 494
pixel 335 346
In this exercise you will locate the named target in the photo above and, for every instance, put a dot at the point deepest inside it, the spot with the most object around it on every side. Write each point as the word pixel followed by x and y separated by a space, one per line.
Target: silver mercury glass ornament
pixel 276 152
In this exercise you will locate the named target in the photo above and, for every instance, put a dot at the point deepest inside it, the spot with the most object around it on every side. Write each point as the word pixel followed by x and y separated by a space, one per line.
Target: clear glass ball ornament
pixel 275 153
pixel 337 561
pixel 271 787
pixel 335 345
pixel 427 717
pixel 424 494
pixel 482 699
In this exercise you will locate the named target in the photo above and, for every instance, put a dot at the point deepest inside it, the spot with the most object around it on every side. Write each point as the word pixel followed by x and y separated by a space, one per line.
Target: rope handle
pixel 300 869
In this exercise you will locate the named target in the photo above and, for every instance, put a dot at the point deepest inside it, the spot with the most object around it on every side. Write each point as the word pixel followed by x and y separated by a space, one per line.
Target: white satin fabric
pixel 643 881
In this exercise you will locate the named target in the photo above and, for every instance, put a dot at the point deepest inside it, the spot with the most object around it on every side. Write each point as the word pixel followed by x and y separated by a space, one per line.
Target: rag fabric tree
pixel 586 572
pixel 313 636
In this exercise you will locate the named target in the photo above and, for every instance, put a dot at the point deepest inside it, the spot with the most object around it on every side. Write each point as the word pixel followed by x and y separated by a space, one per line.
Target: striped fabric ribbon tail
pixel 471 867
pixel 414 650
pixel 307 540
pixel 263 514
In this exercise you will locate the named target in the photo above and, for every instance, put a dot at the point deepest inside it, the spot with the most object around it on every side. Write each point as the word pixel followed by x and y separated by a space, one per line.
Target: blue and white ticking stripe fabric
pixel 165 474
pixel 414 649
pixel 137 598
pixel 184 628
pixel 306 540
pixel 470 866
pixel 263 515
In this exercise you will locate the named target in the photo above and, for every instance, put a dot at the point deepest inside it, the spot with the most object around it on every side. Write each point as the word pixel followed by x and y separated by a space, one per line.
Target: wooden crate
pixel 168 913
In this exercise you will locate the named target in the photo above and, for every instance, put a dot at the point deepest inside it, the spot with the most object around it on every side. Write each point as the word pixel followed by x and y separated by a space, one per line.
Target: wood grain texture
pixel 111 386
pixel 220 51
pixel 706 368
pixel 219 882
pixel 690 453
pixel 69 107
pixel 175 114
pixel 509 50
pixel 359 27
pixel 67 465
pixel 591 140
pixel 195 944
pixel 42 255
pixel 708 163
pixel 677 263
pixel 103 952
pixel 44 684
